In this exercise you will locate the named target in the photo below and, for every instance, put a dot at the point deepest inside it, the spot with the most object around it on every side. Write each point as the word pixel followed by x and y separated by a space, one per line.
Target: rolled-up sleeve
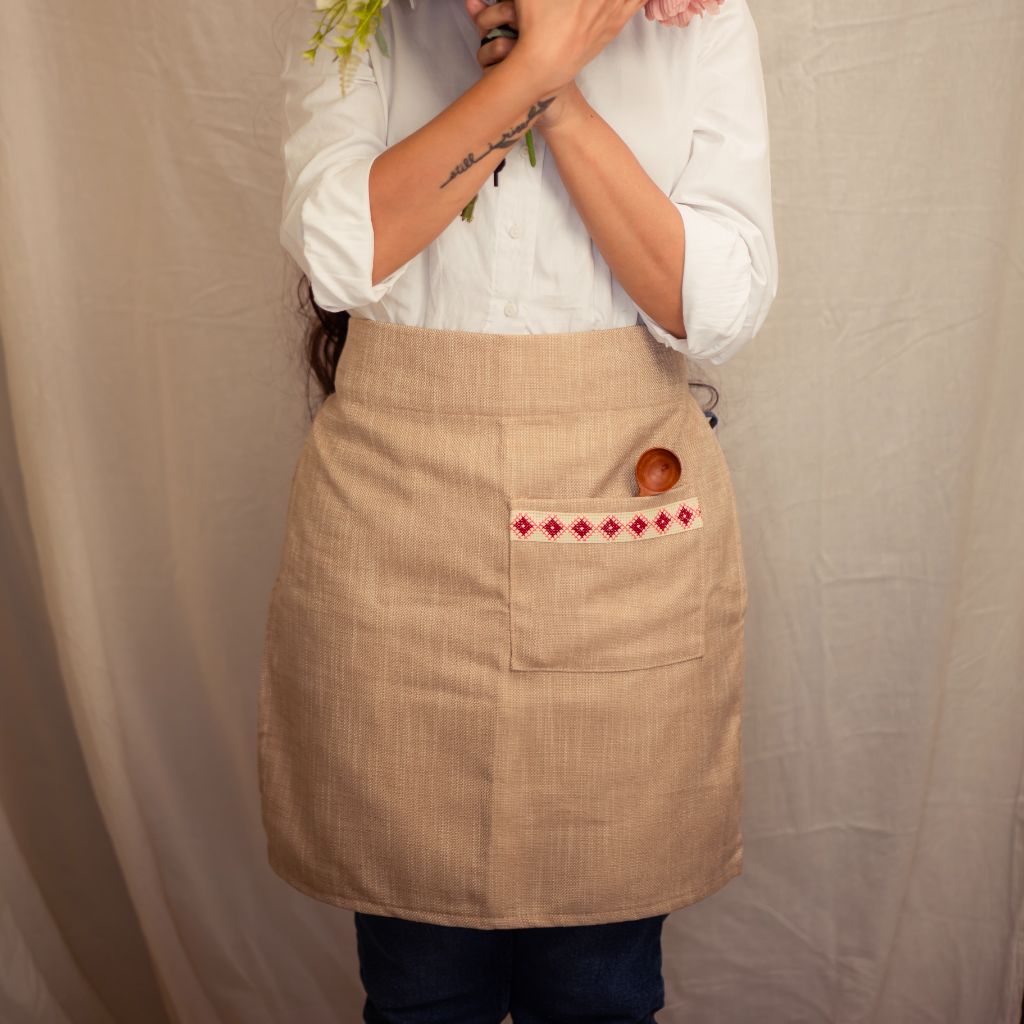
pixel 724 197
pixel 329 144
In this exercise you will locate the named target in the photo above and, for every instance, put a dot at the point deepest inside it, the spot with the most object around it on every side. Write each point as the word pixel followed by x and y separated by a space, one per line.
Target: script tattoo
pixel 507 139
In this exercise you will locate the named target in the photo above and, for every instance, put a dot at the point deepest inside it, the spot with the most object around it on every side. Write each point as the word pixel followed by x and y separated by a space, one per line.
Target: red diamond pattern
pixel 609 526
pixel 552 526
pixel 638 524
pixel 582 527
pixel 662 520
pixel 523 525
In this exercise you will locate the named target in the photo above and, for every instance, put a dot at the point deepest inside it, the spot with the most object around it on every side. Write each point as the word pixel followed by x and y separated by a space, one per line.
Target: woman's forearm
pixel 417 186
pixel 635 226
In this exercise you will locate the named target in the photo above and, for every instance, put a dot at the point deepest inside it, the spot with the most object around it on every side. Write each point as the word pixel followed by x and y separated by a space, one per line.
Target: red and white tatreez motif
pixel 606 526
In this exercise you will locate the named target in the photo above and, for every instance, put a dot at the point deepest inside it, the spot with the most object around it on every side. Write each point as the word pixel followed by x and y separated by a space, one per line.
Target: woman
pixel 501 687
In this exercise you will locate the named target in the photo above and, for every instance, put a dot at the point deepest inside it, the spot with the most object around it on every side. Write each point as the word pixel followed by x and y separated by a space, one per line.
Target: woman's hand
pixel 489 16
pixel 560 37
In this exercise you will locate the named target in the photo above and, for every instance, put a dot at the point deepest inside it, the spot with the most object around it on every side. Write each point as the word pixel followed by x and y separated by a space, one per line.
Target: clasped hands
pixel 568 99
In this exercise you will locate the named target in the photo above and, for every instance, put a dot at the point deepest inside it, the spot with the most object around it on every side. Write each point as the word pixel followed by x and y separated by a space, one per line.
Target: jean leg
pixel 585 974
pixel 419 973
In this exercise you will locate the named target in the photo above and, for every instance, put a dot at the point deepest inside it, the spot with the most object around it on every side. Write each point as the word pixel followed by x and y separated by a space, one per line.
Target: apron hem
pixel 679 901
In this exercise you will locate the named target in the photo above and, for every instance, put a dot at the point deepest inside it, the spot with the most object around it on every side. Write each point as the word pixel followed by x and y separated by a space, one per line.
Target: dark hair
pixel 325 338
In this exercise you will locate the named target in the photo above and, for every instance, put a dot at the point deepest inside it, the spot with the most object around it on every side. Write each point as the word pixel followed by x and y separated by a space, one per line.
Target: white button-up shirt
pixel 689 103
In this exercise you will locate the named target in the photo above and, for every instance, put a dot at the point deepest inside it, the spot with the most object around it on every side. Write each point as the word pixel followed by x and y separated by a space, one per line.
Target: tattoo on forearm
pixel 507 139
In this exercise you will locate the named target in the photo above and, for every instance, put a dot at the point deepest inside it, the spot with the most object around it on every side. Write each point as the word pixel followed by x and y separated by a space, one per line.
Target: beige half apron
pixel 498 688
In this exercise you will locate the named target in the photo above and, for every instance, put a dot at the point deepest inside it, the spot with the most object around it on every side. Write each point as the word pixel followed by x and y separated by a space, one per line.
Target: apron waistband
pixel 410 367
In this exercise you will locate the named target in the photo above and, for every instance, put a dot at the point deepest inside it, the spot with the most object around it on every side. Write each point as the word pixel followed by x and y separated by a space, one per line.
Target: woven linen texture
pixel 465 727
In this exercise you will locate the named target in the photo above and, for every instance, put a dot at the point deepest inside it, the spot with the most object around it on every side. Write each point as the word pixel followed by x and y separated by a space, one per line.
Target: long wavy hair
pixel 325 338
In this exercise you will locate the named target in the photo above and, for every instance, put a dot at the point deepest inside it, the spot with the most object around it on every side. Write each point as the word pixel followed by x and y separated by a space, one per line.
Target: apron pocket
pixel 606 584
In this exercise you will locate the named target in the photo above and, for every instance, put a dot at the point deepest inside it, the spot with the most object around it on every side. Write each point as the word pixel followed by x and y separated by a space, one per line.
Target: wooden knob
pixel 657 470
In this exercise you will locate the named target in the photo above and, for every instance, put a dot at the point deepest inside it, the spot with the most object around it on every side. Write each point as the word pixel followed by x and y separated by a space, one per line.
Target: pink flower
pixel 679 12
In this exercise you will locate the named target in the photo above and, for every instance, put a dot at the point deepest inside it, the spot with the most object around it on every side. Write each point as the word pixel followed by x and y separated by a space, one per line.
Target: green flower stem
pixel 467 210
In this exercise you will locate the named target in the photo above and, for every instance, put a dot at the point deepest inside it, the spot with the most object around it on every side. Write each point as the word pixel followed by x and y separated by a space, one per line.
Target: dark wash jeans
pixel 419 973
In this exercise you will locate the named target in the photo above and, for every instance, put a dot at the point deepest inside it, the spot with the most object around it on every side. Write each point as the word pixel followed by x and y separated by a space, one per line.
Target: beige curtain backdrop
pixel 154 406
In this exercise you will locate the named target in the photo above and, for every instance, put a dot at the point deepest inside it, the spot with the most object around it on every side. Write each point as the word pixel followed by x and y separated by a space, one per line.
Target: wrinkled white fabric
pixel 690 104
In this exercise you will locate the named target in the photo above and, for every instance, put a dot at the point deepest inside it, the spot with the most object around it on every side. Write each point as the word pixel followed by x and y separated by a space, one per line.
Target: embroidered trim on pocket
pixel 530 525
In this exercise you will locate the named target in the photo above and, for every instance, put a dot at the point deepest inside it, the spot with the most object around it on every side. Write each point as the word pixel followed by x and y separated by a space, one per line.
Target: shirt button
pixel 513 230
pixel 510 309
